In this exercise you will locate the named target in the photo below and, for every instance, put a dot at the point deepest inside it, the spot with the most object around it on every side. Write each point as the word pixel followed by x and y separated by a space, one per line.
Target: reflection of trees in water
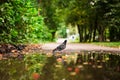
pixel 12 69
pixel 84 66
pixel 92 66
pixel 101 66
pixel 48 69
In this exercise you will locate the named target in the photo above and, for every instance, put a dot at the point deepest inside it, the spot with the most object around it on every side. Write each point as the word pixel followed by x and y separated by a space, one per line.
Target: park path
pixel 78 47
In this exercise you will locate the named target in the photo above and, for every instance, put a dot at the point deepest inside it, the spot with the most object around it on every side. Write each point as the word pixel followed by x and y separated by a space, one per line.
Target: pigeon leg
pixel 53 53
pixel 62 51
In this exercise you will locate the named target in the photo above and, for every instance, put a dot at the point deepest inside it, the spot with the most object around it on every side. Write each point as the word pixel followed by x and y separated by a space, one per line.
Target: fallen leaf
pixel 99 66
pixel 80 66
pixel 58 66
pixel 35 76
pixel 1 56
pixel 77 70
pixel 73 73
pixel 59 60
pixel 85 63
pixel 69 68
pixel 14 51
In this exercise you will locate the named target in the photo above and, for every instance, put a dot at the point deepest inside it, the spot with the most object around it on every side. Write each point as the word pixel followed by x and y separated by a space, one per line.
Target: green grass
pixel 108 44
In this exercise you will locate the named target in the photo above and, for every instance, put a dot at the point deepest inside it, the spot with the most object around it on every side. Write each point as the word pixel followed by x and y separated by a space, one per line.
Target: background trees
pixel 33 20
pixel 92 18
pixel 96 20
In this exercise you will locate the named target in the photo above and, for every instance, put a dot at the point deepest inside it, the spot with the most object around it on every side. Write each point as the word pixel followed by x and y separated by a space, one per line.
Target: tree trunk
pixel 94 34
pixel 90 32
pixel 80 33
pixel 101 30
pixel 53 35
pixel 95 27
pixel 105 36
pixel 119 35
pixel 112 34
pixel 84 37
pixel 90 35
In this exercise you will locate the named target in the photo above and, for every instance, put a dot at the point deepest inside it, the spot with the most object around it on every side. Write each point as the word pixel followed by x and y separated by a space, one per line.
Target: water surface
pixel 74 66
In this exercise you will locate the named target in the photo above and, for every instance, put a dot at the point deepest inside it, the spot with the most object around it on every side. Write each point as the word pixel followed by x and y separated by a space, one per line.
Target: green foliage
pixel 20 22
pixel 37 30
pixel 50 12
pixel 108 44
pixel 61 33
pixel 76 13
pixel 35 62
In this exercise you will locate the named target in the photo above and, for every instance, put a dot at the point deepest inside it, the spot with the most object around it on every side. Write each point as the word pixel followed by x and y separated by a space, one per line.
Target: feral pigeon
pixel 60 47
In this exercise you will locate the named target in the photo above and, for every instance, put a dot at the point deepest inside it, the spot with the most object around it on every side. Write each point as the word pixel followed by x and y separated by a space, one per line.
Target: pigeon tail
pixel 54 50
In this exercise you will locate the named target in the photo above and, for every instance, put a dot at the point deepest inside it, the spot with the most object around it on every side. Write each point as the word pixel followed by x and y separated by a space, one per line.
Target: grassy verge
pixel 108 44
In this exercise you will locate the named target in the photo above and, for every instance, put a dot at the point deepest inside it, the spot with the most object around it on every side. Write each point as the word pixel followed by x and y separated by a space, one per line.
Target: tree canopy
pixel 34 20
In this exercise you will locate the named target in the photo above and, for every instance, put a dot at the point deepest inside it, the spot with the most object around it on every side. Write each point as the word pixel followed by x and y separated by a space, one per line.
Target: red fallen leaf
pixel 90 63
pixel 77 70
pixel 13 51
pixel 69 69
pixel 59 60
pixel 35 76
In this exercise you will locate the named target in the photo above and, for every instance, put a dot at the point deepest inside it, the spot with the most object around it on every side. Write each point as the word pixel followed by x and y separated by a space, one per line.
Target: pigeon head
pixel 65 41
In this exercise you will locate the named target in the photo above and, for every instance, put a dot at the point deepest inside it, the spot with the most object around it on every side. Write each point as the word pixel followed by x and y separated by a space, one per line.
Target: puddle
pixel 74 66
